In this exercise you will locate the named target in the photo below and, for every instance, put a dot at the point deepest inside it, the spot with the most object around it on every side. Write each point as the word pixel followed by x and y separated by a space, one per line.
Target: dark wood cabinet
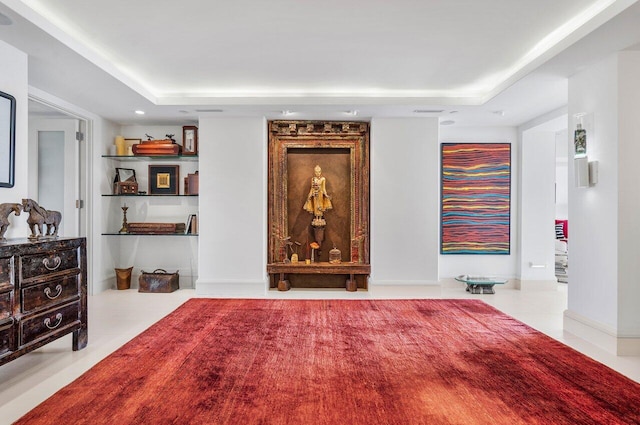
pixel 43 294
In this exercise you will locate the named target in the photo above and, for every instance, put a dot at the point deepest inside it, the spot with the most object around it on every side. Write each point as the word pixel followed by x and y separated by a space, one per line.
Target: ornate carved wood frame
pixel 354 136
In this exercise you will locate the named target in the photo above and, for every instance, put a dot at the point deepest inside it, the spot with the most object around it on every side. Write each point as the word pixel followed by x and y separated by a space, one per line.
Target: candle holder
pixel 314 246
pixel 125 225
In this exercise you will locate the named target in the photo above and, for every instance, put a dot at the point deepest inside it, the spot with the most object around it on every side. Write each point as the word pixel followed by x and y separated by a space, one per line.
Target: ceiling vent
pixel 428 111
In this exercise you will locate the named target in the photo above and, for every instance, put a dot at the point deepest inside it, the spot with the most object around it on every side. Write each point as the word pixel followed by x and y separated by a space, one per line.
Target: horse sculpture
pixel 39 216
pixel 5 210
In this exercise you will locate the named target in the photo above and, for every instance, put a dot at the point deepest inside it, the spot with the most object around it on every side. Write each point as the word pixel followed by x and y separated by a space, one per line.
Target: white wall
pixel 562 175
pixel 629 194
pixel 233 206
pixel 101 248
pixel 404 200
pixel 492 265
pixel 233 183
pixel 537 235
pixel 604 233
pixel 13 81
pixel 593 213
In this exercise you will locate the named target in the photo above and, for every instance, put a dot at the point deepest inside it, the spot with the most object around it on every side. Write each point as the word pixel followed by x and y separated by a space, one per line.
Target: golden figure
pixel 318 201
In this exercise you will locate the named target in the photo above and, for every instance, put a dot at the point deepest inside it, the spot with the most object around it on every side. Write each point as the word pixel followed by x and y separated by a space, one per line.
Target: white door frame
pixel 85 179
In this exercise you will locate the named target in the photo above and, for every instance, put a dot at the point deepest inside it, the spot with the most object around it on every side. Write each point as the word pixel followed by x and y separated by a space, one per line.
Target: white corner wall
pixel 13 81
pixel 604 234
pixel 493 265
pixel 593 212
pixel 404 201
pixel 233 207
pixel 629 195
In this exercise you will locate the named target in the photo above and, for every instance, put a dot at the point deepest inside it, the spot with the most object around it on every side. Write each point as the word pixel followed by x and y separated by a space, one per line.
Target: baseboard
pixel 600 335
pixel 373 281
pixel 231 288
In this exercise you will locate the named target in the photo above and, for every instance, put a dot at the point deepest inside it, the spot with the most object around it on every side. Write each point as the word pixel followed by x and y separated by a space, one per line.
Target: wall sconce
pixel 586 172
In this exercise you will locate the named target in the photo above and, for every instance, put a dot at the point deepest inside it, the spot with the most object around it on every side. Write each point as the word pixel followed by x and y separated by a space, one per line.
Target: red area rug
pixel 343 362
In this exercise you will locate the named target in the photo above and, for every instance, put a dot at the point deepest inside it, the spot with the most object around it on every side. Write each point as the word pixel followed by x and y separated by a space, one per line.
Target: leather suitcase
pixel 158 281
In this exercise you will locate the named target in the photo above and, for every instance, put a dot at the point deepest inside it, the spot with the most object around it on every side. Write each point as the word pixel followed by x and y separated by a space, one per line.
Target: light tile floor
pixel 115 317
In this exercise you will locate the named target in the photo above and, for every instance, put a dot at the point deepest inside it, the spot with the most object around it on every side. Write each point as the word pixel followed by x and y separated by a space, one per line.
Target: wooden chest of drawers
pixel 43 294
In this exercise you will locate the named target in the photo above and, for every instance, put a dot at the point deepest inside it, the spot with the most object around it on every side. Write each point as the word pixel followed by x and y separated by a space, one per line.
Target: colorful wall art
pixel 476 198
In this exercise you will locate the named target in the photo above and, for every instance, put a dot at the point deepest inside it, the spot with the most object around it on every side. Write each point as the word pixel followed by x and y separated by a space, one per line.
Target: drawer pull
pixel 47 292
pixel 56 263
pixel 47 321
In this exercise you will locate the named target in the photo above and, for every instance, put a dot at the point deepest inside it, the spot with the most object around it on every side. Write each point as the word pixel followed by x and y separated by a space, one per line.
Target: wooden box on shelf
pixel 125 188
pixel 125 182
pixel 192 184
pixel 156 147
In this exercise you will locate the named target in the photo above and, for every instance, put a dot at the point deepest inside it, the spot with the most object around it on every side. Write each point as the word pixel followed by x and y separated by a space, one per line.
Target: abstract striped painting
pixel 476 198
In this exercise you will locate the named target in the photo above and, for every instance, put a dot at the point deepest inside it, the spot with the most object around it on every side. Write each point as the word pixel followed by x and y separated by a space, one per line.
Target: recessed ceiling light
pixel 286 112
pixel 352 112
pixel 5 20
pixel 447 122
pixel 499 113
pixel 139 112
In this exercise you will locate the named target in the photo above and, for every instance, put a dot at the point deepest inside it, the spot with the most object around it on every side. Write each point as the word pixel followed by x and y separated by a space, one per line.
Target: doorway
pixel 57 158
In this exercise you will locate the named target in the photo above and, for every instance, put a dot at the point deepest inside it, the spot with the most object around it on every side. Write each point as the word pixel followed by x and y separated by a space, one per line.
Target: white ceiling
pixel 471 59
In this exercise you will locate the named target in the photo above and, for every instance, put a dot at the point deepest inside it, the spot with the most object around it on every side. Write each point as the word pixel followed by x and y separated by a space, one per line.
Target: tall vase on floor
pixel 123 278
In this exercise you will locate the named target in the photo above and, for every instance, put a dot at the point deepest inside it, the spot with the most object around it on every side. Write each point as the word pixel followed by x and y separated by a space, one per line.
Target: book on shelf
pixel 164 228
pixel 192 225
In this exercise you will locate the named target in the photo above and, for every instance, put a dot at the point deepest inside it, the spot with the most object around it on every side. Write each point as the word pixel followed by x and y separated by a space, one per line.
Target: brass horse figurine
pixel 5 210
pixel 38 217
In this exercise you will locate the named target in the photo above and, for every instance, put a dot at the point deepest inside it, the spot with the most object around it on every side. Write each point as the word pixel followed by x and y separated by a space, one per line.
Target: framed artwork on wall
pixel 7 139
pixel 163 179
pixel 475 203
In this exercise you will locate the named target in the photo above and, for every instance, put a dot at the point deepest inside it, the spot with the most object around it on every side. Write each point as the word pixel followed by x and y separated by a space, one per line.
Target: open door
pixel 56 185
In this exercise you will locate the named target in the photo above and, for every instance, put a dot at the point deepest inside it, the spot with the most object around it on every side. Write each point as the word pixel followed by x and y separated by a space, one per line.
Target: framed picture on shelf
pixel 163 179
pixel 125 175
pixel 128 143
pixel 189 140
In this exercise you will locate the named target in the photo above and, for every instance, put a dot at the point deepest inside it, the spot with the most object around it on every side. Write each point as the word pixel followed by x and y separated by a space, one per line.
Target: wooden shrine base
pixel 355 275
